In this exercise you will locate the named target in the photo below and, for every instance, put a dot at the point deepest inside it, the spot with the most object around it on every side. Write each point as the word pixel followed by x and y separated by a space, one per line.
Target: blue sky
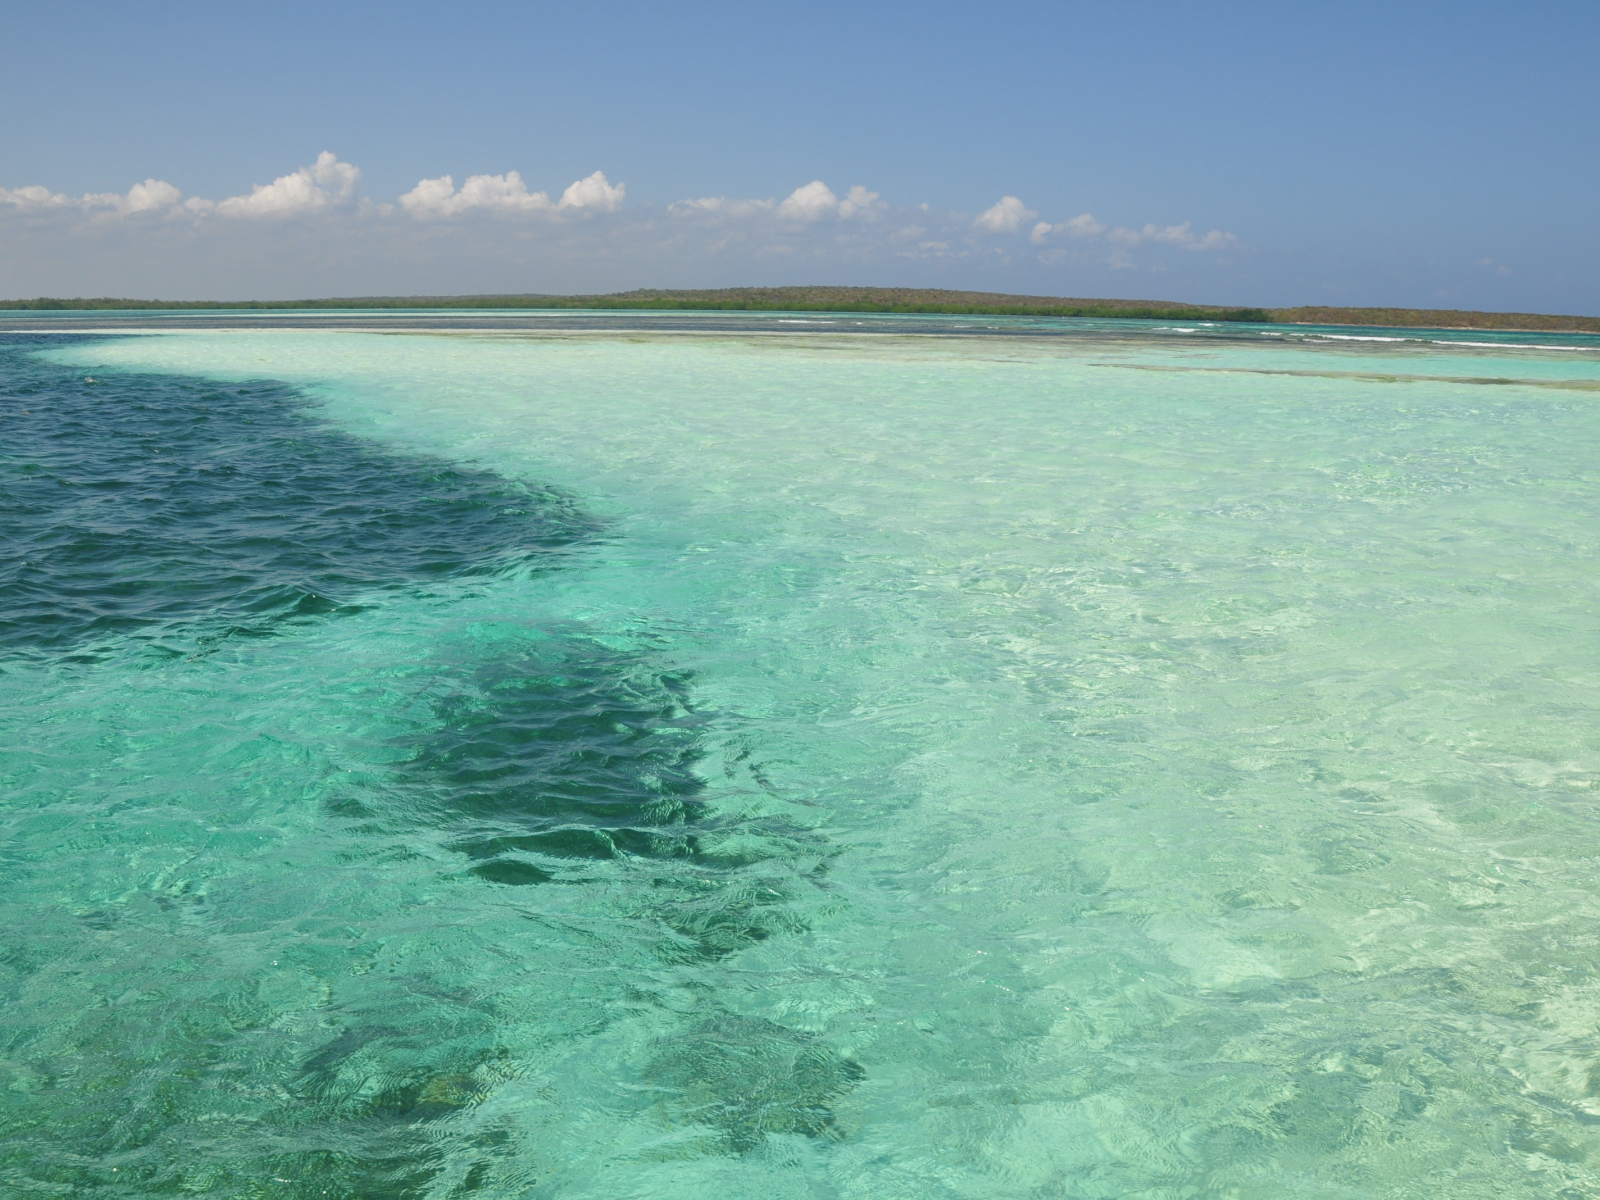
pixel 1437 155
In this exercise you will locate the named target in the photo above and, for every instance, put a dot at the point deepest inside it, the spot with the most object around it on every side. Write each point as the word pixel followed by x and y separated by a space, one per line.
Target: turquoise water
pixel 662 756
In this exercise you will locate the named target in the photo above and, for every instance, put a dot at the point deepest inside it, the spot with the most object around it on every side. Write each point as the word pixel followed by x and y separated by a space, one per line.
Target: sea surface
pixel 712 756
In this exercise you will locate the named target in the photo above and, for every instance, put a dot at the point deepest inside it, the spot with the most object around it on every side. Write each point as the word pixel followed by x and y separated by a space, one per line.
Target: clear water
pixel 667 756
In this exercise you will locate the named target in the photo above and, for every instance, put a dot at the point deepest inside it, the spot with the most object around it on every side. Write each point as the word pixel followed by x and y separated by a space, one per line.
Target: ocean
pixel 724 755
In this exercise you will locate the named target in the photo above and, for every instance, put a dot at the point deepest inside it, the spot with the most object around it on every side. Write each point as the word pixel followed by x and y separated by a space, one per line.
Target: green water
pixel 1101 766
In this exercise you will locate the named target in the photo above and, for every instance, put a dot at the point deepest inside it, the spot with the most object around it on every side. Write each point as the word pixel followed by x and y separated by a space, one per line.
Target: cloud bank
pixel 324 184
pixel 495 232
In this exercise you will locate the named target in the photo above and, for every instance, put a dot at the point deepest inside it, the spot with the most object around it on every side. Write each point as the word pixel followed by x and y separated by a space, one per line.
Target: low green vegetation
pixel 1434 318
pixel 878 300
pixel 778 299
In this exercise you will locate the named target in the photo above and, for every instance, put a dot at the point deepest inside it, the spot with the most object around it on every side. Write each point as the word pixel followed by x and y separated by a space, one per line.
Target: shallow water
pixel 666 756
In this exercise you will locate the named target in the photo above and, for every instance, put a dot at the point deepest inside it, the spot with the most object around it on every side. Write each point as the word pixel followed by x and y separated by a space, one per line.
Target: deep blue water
pixel 180 510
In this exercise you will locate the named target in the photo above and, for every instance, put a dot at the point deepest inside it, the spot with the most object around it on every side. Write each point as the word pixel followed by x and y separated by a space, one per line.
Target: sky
pixel 1424 155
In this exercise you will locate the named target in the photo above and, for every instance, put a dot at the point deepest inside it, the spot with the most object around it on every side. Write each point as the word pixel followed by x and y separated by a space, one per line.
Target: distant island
pixel 883 300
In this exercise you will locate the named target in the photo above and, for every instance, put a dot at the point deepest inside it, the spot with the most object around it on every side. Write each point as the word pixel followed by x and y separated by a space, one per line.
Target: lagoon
pixel 680 755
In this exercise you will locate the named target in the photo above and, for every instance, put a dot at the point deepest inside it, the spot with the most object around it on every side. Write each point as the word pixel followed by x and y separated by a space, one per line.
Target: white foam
pixel 1509 345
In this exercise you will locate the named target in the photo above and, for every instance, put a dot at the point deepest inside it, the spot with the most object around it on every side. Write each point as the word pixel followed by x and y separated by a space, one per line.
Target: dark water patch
pixel 1570 385
pixel 132 505
pixel 746 1077
pixel 177 514
pixel 562 754
pixel 557 761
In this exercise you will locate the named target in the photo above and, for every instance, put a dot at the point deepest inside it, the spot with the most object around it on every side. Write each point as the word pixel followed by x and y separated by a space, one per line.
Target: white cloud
pixel 439 198
pixel 35 197
pixel 507 193
pixel 595 192
pixel 816 202
pixel 587 227
pixel 153 195
pixel 325 183
pixel 813 202
pixel 1082 225
pixel 1005 217
pixel 859 200
pixel 150 196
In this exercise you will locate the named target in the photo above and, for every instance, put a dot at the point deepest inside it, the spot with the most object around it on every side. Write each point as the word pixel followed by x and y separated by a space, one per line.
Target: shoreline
pixel 886 301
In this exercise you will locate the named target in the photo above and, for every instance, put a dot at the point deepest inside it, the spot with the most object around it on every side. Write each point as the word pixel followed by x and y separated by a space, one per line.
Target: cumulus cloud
pixel 813 202
pixel 504 193
pixel 507 193
pixel 35 197
pixel 594 191
pixel 859 200
pixel 816 202
pixel 587 226
pixel 1005 217
pixel 325 183
pixel 153 195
